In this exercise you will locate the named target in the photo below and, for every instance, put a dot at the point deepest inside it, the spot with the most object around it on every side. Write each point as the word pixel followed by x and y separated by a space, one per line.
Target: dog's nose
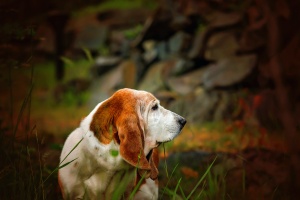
pixel 181 121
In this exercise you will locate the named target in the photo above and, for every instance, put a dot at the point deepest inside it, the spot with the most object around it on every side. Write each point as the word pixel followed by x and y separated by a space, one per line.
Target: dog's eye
pixel 155 107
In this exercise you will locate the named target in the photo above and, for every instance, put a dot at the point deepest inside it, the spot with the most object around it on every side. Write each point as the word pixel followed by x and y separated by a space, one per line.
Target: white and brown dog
pixel 117 141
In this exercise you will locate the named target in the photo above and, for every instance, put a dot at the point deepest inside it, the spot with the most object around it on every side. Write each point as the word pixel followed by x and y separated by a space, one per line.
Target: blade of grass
pixel 165 164
pixel 202 178
pixel 22 110
pixel 137 187
pixel 182 193
pixel 71 150
pixel 200 193
pixel 127 177
pixel 61 166
pixel 57 168
pixel 169 180
pixel 40 165
pixel 169 192
pixel 176 188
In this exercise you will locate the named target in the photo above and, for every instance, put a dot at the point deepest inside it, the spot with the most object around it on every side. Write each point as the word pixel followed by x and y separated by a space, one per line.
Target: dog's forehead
pixel 143 95
pixel 139 95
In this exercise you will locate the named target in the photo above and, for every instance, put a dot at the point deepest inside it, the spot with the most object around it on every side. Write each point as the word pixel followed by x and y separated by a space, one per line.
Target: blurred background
pixel 230 67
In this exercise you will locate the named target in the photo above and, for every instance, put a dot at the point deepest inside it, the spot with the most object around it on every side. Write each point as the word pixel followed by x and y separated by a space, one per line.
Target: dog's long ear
pixel 131 137
pixel 154 160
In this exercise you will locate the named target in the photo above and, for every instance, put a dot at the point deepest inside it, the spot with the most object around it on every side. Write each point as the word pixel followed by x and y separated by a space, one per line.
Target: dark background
pixel 231 68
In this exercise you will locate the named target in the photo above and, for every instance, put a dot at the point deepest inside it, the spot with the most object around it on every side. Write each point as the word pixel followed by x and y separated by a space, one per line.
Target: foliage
pixel 116 4
pixel 208 186
pixel 133 32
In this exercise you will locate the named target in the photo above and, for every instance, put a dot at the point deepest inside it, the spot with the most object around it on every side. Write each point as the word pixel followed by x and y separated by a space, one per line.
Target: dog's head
pixel 138 123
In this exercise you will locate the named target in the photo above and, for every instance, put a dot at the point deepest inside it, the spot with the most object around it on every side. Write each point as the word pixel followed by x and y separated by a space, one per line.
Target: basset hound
pixel 115 148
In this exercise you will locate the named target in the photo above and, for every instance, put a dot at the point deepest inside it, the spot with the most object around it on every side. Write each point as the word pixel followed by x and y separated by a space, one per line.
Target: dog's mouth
pixel 158 143
pixel 149 155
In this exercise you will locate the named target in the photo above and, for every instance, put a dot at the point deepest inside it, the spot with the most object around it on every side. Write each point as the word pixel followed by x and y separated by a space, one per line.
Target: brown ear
pixel 154 160
pixel 131 139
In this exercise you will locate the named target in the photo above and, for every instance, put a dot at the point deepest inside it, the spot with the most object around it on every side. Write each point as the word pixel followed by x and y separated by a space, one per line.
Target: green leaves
pixel 114 152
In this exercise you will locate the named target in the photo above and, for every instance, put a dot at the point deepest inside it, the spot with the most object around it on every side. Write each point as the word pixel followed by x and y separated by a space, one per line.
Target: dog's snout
pixel 181 121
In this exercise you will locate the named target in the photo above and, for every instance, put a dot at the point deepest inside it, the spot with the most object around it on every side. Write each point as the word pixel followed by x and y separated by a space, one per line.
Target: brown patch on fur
pixel 75 164
pixel 154 161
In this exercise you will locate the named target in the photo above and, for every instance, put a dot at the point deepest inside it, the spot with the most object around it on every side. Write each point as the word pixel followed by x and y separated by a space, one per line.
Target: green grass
pixel 208 186
pixel 116 4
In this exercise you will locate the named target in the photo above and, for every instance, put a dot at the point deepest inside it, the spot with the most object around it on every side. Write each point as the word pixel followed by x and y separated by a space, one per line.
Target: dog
pixel 115 148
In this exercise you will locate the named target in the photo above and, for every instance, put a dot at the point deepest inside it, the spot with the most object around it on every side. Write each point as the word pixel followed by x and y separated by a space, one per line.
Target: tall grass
pixel 209 186
pixel 22 171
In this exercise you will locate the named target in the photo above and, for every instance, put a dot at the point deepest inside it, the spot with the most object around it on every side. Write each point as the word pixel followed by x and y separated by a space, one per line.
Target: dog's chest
pixel 105 157
pixel 106 167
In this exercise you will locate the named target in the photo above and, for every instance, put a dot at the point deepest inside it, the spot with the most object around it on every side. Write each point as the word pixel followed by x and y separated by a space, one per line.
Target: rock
pixel 179 42
pixel 166 97
pixel 163 23
pixel 221 45
pixel 197 45
pixel 118 44
pixel 209 105
pixel 203 101
pixel 104 64
pixel 129 73
pixel 186 83
pixel 118 19
pixel 228 71
pixel 218 18
pixel 162 50
pixel 151 52
pixel 168 73
pixel 156 27
pixel 160 73
pixel 217 25
pixel 180 66
pixel 153 80
pixel 103 86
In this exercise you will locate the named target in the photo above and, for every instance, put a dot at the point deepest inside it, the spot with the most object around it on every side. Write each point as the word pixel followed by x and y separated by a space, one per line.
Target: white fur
pixel 96 173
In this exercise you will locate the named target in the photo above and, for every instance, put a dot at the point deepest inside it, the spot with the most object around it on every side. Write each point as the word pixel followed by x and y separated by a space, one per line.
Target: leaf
pixel 67 61
pixel 114 152
pixel 189 172
pixel 88 54
pixel 67 163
